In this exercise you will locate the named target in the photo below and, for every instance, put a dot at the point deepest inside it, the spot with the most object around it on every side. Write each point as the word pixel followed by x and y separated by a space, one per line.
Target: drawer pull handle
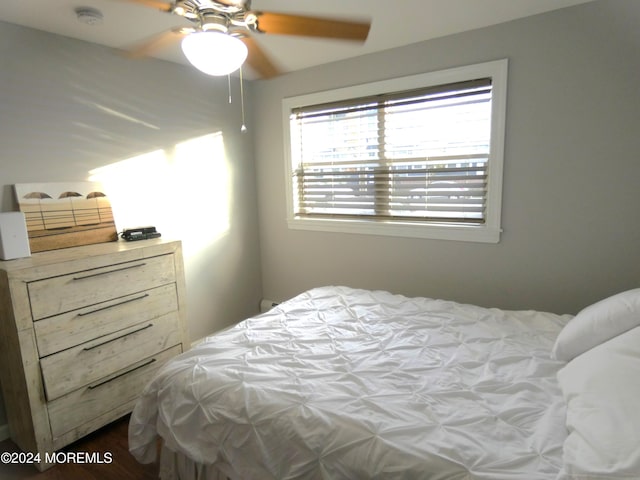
pixel 82 314
pixel 149 362
pixel 118 338
pixel 110 271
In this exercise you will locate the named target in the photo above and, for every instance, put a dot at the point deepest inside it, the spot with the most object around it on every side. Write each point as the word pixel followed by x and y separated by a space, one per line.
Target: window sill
pixel 434 231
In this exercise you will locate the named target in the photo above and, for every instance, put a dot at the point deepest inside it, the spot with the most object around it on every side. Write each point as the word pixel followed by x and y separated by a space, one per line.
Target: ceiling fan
pixel 221 37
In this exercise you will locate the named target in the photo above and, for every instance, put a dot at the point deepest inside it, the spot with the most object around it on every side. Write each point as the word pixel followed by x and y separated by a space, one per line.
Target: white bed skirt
pixel 175 466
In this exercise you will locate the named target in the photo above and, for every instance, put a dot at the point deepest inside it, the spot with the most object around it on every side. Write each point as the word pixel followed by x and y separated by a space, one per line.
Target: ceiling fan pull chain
pixel 243 128
pixel 229 87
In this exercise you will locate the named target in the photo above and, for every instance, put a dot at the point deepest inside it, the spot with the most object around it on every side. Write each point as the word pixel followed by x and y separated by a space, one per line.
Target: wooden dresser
pixel 82 330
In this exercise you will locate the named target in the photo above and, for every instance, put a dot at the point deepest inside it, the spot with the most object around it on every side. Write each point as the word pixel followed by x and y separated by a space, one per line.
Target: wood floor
pixel 111 439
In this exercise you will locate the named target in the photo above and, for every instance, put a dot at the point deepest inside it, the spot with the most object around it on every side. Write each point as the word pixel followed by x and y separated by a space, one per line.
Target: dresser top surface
pixel 86 251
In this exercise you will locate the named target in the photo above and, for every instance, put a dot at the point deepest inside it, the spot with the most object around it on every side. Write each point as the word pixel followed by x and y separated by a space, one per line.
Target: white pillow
pixel 598 323
pixel 601 388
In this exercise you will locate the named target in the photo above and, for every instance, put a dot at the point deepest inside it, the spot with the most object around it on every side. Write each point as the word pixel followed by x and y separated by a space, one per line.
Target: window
pixel 418 156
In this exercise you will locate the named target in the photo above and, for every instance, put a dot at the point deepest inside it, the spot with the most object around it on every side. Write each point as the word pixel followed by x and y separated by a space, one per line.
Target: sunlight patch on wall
pixel 202 178
pixel 137 188
pixel 185 192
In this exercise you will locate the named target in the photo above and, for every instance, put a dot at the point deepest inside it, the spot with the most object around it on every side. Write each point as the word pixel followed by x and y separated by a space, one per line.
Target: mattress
pixel 340 383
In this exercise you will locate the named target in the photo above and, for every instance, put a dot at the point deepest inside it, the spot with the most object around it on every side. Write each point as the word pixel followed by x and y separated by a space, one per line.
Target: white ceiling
pixel 394 23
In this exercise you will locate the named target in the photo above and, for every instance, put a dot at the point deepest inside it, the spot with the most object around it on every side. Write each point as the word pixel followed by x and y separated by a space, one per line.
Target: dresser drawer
pixel 52 296
pixel 67 330
pixel 83 405
pixel 92 361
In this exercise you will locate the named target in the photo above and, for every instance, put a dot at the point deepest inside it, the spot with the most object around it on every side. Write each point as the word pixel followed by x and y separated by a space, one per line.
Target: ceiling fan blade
pixel 159 4
pixel 285 24
pixel 258 59
pixel 156 42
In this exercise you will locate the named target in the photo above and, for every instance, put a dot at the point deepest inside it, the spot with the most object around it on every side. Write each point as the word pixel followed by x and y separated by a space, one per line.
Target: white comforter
pixel 351 384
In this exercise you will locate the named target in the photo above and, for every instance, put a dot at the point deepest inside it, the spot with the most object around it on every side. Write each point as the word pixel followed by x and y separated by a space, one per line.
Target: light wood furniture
pixel 82 330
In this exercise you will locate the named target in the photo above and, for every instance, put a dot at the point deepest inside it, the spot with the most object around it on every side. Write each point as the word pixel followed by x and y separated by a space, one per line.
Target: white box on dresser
pixel 82 330
pixel 14 240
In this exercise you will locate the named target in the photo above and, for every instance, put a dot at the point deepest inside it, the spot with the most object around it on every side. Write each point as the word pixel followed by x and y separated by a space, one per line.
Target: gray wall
pixel 570 221
pixel 68 107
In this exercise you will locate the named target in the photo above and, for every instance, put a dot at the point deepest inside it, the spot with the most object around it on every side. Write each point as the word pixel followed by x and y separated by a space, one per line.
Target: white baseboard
pixel 4 432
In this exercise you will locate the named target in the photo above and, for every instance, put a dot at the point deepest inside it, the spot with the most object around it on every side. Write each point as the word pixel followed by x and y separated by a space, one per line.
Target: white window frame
pixel 489 232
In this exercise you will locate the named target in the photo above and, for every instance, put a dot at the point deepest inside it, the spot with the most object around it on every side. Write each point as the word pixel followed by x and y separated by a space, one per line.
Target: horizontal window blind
pixel 420 155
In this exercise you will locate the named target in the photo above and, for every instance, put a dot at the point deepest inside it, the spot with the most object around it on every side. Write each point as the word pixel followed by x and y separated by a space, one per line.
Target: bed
pixel 341 383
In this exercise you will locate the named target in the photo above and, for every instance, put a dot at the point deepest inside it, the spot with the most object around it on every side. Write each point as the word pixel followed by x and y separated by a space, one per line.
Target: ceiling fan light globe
pixel 214 53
